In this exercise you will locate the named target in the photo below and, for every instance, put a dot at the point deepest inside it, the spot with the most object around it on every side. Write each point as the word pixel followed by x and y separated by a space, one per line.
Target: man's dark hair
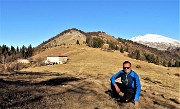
pixel 125 62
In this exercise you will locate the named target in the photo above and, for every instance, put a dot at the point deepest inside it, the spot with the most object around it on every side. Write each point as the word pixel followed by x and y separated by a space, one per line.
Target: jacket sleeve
pixel 113 78
pixel 138 88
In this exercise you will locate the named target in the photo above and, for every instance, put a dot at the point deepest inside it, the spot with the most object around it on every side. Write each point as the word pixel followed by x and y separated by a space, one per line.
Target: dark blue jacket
pixel 130 80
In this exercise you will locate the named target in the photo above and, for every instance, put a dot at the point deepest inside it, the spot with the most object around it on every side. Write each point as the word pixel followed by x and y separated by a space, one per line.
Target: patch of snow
pixel 155 38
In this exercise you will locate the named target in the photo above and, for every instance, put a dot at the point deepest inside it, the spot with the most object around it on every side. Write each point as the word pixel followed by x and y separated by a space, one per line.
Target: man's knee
pixel 128 97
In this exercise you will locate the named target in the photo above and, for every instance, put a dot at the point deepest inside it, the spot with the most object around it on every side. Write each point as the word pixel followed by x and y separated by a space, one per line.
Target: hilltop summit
pixel 71 36
pixel 66 37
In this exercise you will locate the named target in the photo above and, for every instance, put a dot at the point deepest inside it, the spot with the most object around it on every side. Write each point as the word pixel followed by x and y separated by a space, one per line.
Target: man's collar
pixel 128 72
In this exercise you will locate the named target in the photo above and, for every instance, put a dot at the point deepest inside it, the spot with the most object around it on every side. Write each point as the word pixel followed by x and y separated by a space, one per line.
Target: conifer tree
pixel 169 64
pixel 157 60
pixel 13 51
pixel 122 49
pixel 126 49
pixel 77 42
pixel 23 52
pixel 29 51
pixel 164 63
pixel 177 64
pixel 137 53
pixel 17 49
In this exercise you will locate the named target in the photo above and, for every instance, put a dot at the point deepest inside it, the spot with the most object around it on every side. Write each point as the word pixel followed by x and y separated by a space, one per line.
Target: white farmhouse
pixel 56 59
pixel 24 61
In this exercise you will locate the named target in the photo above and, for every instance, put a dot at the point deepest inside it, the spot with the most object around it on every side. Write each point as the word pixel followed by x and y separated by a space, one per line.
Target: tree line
pixel 151 55
pixel 9 54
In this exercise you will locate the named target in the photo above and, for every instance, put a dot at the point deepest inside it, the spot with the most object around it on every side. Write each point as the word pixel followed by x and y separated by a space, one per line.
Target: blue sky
pixel 25 22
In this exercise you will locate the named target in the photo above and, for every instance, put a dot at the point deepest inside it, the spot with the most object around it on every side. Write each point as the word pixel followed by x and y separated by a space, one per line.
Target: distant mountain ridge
pixel 157 41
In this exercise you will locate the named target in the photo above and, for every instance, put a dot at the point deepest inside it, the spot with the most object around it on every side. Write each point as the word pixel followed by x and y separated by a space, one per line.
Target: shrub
pixel 138 66
pixel 20 66
pixel 97 43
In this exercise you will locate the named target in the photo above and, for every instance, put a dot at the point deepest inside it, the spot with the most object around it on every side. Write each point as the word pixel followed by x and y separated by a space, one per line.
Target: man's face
pixel 127 67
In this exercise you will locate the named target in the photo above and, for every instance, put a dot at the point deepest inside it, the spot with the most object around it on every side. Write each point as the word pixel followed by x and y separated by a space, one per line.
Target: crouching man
pixel 130 85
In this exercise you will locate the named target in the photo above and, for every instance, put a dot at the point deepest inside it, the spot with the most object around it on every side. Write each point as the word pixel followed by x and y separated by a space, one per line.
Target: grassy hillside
pixel 84 82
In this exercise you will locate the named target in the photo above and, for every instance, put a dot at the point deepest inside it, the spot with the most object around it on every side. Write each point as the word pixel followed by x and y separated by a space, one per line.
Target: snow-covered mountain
pixel 157 41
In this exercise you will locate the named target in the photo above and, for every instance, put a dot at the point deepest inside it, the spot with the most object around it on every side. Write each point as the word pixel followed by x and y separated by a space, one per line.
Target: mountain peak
pixel 154 38
pixel 156 41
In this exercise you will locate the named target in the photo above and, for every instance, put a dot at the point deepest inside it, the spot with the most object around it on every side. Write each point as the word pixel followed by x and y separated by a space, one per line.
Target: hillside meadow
pixel 84 82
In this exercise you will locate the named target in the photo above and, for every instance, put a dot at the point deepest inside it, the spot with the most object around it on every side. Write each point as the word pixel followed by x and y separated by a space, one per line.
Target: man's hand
pixel 117 88
pixel 136 103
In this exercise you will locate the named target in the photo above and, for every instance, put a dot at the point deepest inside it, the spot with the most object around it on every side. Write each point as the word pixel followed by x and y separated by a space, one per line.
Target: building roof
pixel 56 55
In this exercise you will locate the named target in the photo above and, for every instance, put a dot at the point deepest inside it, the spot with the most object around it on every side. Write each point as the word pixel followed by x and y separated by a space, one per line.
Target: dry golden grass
pixel 94 67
